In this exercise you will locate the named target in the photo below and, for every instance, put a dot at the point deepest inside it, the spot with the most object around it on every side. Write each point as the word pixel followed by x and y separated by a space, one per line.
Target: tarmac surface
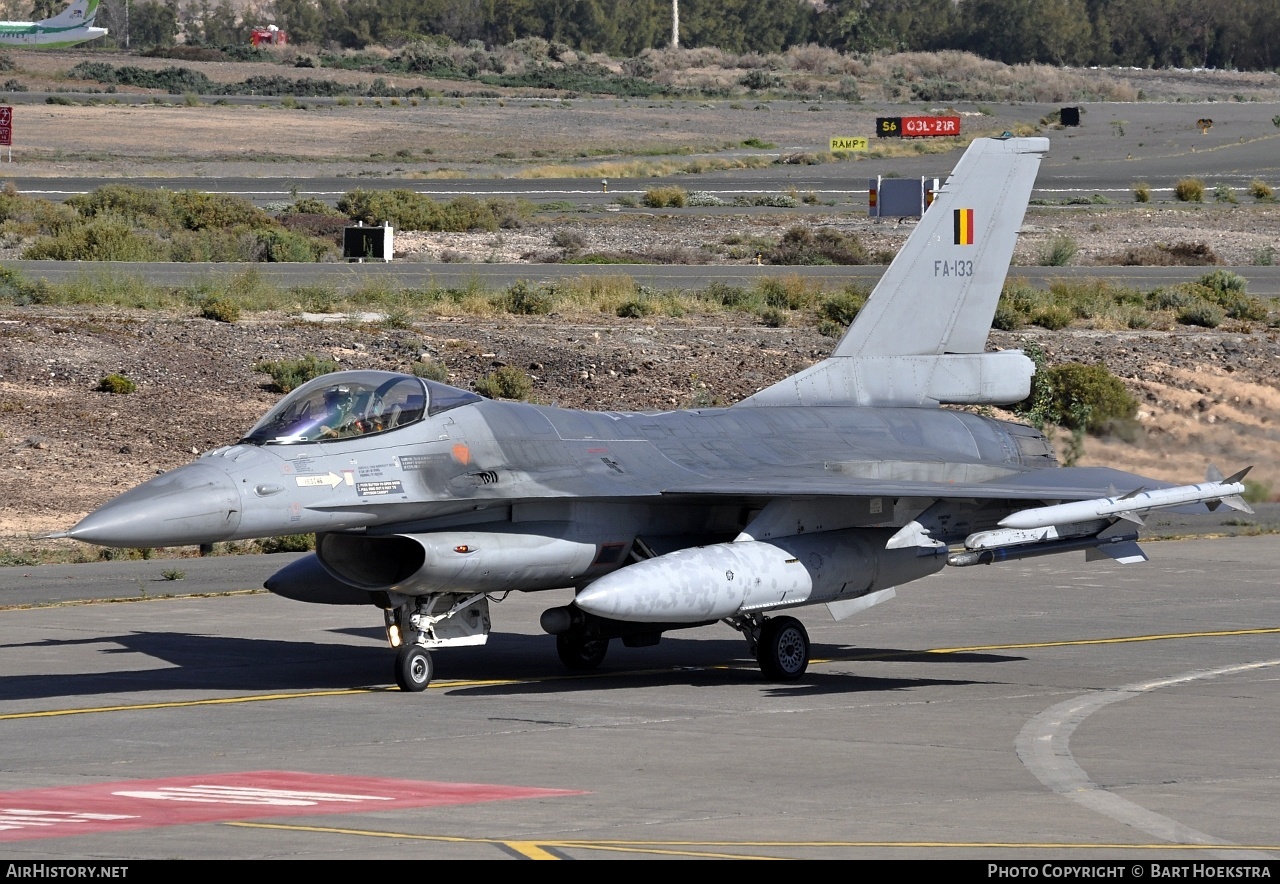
pixel 1041 709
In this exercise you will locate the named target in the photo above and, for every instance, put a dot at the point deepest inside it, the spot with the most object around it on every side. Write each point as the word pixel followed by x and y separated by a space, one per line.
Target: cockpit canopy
pixel 347 404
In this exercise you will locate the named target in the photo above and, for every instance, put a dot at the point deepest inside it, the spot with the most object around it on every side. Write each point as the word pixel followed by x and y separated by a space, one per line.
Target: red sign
pixel 6 125
pixel 206 798
pixel 915 127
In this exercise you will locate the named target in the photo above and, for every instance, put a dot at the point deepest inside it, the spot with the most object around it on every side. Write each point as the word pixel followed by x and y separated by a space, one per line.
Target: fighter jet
pixel 834 486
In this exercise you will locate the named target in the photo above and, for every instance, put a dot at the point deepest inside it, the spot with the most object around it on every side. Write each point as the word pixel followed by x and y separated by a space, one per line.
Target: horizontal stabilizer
pixel 1126 553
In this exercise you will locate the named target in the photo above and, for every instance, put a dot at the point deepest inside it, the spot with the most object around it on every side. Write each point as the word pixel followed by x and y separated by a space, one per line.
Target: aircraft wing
pixel 1065 483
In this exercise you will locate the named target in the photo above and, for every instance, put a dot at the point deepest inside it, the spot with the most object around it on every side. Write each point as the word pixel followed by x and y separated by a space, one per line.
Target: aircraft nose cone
pixel 194 504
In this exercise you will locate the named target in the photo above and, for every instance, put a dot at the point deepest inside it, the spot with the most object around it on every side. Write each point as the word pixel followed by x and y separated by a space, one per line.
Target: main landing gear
pixel 781 644
pixel 581 652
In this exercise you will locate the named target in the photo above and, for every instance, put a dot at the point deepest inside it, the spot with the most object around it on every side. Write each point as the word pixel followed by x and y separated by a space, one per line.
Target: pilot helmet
pixel 337 396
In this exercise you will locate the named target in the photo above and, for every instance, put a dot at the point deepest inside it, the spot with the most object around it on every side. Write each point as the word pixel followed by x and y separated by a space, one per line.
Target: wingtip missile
pixel 1134 504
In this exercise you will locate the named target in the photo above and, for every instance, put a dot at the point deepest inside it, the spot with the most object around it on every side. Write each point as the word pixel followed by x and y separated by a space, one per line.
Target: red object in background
pixel 271 36
pixel 6 126
pixel 921 126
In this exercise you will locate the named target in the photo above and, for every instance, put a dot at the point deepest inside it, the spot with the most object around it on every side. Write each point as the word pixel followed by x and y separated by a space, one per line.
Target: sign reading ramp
pixel 841 143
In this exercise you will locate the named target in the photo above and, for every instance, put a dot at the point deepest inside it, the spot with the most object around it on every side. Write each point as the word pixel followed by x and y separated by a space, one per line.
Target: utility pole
pixel 675 24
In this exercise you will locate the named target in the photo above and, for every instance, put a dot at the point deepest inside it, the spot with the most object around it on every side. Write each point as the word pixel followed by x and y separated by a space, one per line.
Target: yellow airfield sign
pixel 839 143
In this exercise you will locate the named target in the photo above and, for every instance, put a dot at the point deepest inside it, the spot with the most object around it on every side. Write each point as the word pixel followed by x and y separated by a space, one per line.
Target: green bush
pixel 195 210
pixel 118 384
pixel 508 382
pixel 1053 317
pixel 1007 317
pixel 842 308
pixel 1256 491
pixel 108 238
pixel 310 206
pixel 1176 297
pixel 1201 314
pixel 280 246
pixel 1142 192
pixel 432 370
pixel 401 208
pixel 756 80
pixel 1224 282
pixel 1189 190
pixel 1058 251
pixel 524 299
pixel 288 543
pixel 636 308
pixel 775 318
pixel 143 206
pixel 728 295
pixel 407 210
pixel 826 245
pixel 220 309
pixel 1088 396
pixel 289 374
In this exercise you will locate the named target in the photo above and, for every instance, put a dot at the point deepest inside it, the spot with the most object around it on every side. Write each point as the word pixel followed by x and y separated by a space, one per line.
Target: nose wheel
pixel 413 668
pixel 783 649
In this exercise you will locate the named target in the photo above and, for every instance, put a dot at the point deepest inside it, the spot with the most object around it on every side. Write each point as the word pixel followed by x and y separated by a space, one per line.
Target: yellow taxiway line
pixel 546 849
pixel 497 682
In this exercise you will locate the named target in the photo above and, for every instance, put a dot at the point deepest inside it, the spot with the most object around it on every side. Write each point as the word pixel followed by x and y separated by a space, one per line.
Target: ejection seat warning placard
pixel 377 489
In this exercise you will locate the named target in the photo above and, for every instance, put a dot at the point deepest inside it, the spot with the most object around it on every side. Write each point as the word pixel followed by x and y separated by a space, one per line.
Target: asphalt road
pixel 1028 711
pixel 1262 281
pixel 1116 145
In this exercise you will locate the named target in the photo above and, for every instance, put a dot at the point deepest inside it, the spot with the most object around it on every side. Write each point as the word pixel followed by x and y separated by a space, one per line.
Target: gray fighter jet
pixel 833 486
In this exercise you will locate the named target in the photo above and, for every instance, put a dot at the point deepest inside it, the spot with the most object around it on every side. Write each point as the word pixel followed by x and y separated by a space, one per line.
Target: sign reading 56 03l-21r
pixel 916 127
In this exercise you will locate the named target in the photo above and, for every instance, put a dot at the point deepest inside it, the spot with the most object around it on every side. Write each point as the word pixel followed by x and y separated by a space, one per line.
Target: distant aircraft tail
pixel 81 12
pixel 919 340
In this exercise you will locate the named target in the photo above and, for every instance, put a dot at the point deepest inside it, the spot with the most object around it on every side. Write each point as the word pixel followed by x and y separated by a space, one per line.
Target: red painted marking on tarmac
pixel 179 801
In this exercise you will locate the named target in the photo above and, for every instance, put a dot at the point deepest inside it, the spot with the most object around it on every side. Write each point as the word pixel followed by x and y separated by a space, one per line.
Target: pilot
pixel 337 409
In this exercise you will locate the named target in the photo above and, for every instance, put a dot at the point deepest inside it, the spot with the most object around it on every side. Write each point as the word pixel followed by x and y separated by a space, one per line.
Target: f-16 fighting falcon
pixel 833 486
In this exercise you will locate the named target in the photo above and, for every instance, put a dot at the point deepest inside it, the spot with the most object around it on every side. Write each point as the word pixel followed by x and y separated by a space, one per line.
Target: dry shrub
pixel 683 59
pixel 979 79
pixel 818 60
pixel 1189 190
pixel 327 227
pixel 1183 254
pixel 674 255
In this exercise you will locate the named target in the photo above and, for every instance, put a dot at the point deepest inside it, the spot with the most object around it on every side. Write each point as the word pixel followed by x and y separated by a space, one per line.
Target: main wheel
pixel 581 652
pixel 413 668
pixel 783 649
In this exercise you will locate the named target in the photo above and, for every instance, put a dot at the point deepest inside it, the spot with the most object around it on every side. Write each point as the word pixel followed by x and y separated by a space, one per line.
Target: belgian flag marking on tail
pixel 963 221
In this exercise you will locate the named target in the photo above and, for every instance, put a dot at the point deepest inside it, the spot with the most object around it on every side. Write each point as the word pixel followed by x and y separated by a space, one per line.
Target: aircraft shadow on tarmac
pixel 221 663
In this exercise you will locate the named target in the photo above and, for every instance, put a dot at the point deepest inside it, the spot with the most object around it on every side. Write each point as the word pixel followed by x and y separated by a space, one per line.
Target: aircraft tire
pixel 413 668
pixel 581 653
pixel 783 649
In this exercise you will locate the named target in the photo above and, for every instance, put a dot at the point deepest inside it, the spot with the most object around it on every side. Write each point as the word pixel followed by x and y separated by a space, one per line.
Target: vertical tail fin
pixel 940 293
pixel 81 12
pixel 920 338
